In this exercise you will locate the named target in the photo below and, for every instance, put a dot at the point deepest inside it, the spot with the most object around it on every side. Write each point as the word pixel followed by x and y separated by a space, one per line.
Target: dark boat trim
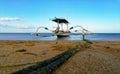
pixel 63 35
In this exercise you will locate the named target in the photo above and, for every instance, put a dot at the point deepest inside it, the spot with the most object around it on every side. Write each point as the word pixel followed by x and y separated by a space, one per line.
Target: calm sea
pixel 51 36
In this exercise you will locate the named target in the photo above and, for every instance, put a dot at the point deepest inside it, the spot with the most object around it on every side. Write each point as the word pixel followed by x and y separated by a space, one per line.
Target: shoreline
pixel 51 37
pixel 59 39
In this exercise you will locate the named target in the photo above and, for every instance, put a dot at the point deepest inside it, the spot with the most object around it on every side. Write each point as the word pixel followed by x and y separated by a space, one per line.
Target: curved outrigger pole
pixel 83 30
pixel 43 28
pixel 36 33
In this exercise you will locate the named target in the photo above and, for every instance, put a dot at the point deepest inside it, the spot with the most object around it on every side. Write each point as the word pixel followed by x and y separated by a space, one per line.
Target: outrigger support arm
pixel 44 28
pixel 81 29
pixel 84 31
pixel 78 26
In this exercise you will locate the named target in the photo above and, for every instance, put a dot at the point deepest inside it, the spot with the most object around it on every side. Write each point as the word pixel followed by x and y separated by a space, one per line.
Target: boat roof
pixel 60 20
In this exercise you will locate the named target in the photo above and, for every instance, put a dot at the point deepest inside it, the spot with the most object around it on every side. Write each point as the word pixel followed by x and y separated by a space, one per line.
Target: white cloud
pixel 18 26
pixel 3 25
pixel 23 27
pixel 9 19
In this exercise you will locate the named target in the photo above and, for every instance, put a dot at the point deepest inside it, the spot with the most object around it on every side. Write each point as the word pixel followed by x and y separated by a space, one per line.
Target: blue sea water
pixel 51 36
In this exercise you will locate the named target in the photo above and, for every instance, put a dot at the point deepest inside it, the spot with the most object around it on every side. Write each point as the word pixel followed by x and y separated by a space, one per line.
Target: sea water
pixel 51 36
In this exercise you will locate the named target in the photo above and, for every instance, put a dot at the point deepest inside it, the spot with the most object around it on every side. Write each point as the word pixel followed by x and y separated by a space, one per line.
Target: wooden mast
pixel 67 27
pixel 62 26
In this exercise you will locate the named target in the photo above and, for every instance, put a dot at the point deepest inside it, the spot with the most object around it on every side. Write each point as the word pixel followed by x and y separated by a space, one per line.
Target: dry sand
pixel 103 57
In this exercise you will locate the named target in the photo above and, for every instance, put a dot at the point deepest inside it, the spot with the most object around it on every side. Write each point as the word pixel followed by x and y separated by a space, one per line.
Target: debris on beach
pixel 21 50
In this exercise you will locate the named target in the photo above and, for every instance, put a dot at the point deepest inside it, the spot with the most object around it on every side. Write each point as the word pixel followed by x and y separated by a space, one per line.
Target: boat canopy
pixel 60 20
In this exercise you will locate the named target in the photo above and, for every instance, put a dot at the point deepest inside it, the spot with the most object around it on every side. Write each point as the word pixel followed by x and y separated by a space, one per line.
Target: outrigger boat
pixel 60 31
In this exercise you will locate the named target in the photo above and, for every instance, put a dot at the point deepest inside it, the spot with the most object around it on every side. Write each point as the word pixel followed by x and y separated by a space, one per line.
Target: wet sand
pixel 102 57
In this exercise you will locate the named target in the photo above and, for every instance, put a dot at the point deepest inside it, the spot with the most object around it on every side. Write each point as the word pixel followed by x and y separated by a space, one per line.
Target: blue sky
pixel 101 16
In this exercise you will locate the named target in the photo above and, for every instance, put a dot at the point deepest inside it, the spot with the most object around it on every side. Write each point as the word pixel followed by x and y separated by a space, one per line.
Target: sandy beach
pixel 101 57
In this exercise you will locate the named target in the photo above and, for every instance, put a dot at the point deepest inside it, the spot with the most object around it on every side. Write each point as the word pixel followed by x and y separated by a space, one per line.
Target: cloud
pixel 18 26
pixel 9 19
pixel 3 25
pixel 24 27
